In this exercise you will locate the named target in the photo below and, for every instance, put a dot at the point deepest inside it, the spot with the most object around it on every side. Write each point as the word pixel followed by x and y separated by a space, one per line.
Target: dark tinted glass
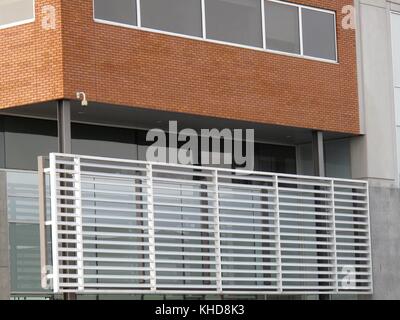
pixel 273 158
pixel 26 139
pixel 236 21
pixel 319 34
pixel 103 141
pixel 179 16
pixel 282 27
pixel 119 11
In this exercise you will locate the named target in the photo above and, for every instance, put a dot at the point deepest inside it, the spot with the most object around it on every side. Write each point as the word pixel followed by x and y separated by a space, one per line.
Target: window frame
pixel 299 20
pixel 335 31
pixel 21 22
pixel 263 48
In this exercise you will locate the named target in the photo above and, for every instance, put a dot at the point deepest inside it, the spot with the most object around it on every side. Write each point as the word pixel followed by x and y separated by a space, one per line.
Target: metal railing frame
pixel 275 179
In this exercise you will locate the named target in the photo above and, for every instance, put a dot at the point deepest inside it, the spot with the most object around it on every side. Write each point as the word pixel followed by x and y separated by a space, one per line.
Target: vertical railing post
pixel 151 223
pixel 278 235
pixel 78 220
pixel 333 221
pixel 369 237
pixel 42 222
pixel 54 222
pixel 217 236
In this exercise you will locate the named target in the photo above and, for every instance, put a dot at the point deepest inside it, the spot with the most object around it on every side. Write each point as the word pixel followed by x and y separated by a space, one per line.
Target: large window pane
pixel 274 158
pixel 398 146
pixel 25 258
pixel 337 159
pixel 396 47
pixel 14 11
pixel 2 146
pixel 282 27
pixel 397 105
pixel 103 141
pixel 26 139
pixel 119 11
pixel 22 197
pixel 237 21
pixel 319 34
pixel 179 16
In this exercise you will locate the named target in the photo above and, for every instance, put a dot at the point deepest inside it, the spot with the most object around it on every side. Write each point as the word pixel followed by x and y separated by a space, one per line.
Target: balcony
pixel 122 226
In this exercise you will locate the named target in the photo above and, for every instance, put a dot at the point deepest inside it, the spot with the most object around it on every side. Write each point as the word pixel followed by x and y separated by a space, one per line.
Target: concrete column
pixel 374 155
pixel 5 286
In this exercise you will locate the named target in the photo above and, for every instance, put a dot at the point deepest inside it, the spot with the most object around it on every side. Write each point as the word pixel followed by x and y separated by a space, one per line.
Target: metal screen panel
pixel 122 226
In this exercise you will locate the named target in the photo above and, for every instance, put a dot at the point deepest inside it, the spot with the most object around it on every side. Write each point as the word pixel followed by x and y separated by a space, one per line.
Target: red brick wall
pixel 137 68
pixel 31 61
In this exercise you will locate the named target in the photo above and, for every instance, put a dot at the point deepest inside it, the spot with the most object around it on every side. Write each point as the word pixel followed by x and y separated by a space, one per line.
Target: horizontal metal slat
pixel 166 201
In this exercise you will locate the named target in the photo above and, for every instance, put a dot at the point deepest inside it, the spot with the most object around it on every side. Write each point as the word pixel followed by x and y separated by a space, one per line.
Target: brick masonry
pixel 31 61
pixel 130 67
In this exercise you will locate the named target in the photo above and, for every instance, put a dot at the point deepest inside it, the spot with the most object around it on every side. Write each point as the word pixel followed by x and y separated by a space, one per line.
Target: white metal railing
pixel 122 226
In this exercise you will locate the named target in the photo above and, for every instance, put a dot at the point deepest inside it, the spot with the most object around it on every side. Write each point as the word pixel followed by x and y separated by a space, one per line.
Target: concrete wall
pixel 4 247
pixel 385 232
pixel 374 155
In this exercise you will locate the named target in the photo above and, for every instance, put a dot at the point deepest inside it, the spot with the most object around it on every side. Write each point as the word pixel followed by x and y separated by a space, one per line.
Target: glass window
pixel 305 160
pixel 22 197
pixel 25 258
pixel 396 47
pixel 319 34
pixel 236 21
pixel 282 27
pixel 397 104
pixel 142 144
pixel 2 146
pixel 16 11
pixel 179 16
pixel 336 155
pixel 26 139
pixel 103 141
pixel 274 158
pixel 119 11
pixel 398 146
pixel 337 159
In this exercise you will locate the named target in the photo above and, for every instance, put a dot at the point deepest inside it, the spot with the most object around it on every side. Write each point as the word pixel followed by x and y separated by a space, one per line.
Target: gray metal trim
pixel 318 153
pixel 64 126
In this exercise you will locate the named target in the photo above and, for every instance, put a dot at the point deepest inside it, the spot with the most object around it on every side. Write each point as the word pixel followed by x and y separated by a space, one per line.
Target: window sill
pixel 14 24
